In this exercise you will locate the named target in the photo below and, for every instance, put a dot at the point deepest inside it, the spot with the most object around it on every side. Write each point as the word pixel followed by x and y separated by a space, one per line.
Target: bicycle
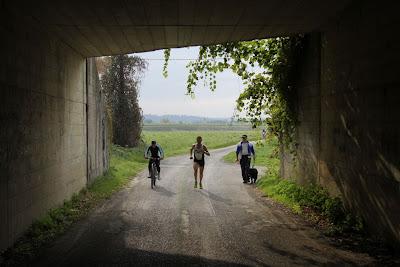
pixel 154 175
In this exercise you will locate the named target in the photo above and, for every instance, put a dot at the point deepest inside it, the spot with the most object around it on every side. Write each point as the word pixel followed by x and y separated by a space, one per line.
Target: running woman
pixel 198 160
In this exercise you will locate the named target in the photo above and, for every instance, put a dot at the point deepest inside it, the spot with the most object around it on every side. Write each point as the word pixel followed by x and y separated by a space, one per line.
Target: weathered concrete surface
pixel 360 141
pixel 225 224
pixel 349 131
pixel 97 141
pixel 43 134
pixel 105 27
pixel 352 149
pixel 304 167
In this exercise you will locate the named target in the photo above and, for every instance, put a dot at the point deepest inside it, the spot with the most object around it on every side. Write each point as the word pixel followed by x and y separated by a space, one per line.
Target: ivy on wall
pixel 167 54
pixel 267 68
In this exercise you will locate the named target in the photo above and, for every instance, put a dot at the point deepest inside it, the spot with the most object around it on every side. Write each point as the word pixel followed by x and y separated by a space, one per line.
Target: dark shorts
pixel 200 162
pixel 157 161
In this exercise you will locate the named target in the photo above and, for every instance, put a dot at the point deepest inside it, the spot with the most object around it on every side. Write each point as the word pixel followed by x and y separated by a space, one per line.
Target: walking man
pixel 244 152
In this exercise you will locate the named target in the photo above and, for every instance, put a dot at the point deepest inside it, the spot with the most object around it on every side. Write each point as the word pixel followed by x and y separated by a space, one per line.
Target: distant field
pixel 179 142
pixel 195 127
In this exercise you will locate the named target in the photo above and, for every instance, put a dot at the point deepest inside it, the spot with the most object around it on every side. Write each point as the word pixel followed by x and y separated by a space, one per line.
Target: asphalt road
pixel 225 224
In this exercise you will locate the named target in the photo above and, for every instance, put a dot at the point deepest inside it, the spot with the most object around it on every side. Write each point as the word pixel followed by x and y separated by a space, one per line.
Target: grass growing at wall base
pixel 312 200
pixel 124 164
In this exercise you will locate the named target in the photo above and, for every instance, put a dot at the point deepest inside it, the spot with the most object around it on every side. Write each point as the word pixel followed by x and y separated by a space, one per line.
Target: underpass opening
pixel 348 94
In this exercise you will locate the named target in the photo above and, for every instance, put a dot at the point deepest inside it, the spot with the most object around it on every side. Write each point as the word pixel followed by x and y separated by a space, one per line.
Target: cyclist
pixel 198 161
pixel 154 152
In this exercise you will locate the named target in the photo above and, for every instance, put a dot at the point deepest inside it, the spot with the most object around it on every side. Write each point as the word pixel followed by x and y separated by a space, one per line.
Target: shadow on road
pixel 215 197
pixel 164 191
pixel 302 260
pixel 138 257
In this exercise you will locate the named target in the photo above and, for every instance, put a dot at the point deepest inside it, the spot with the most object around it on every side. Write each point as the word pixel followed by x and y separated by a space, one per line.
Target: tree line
pixel 120 78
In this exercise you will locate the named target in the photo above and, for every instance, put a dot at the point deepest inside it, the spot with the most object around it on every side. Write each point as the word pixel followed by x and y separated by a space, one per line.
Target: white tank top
pixel 198 152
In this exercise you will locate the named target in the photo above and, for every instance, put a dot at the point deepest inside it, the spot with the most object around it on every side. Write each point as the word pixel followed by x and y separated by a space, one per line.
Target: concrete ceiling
pixel 96 28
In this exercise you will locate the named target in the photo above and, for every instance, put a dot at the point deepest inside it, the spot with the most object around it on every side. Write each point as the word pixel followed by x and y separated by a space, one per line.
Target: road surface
pixel 225 224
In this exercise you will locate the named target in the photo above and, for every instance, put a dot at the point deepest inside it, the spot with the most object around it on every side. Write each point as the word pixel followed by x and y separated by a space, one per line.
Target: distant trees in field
pixel 120 78
pixel 165 121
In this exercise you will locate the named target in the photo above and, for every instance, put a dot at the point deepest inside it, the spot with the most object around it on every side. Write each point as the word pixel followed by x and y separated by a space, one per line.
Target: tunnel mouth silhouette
pixel 52 141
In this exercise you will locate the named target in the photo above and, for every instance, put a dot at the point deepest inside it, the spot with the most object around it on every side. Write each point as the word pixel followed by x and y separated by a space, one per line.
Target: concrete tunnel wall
pixel 45 89
pixel 348 111
pixel 97 130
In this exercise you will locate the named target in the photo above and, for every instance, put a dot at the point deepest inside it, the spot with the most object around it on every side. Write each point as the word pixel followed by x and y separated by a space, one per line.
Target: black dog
pixel 253 173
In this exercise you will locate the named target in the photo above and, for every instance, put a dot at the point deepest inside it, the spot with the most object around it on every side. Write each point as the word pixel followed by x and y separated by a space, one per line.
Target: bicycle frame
pixel 154 174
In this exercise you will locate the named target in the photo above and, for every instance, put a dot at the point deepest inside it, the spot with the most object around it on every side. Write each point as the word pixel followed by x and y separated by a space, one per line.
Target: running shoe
pixel 195 184
pixel 201 186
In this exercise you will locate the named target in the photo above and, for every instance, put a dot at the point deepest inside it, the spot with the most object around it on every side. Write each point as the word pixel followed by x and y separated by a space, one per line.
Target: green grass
pixel 315 201
pixel 267 156
pixel 298 198
pixel 272 186
pixel 180 142
pixel 124 164
pixel 195 127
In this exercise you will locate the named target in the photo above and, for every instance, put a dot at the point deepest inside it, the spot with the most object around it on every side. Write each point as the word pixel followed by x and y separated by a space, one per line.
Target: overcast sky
pixel 159 95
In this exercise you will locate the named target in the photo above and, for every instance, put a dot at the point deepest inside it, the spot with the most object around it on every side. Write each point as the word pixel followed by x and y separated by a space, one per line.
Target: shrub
pixel 333 210
pixel 315 197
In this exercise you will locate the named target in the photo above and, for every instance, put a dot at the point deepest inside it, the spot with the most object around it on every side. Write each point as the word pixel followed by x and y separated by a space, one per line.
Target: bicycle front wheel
pixel 153 175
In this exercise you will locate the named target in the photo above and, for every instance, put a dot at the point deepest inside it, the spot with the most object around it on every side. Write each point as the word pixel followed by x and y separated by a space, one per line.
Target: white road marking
pixel 209 201
pixel 185 221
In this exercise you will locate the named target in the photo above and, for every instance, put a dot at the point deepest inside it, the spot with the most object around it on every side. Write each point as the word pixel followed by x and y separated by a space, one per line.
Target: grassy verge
pixel 315 204
pixel 312 200
pixel 124 164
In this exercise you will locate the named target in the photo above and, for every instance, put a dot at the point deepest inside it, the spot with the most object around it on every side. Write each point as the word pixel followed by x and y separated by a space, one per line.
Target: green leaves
pixel 269 94
pixel 167 54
